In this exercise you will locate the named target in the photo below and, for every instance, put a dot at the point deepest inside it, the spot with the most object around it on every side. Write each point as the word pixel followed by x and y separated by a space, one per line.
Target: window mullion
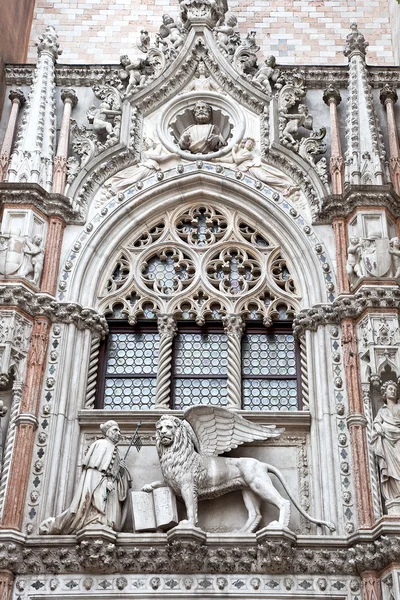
pixel 167 329
pixel 234 326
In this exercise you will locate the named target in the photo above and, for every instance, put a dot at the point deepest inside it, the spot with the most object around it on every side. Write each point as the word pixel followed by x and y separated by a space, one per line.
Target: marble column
pixel 332 98
pixel 341 244
pixel 357 425
pixel 234 326
pixel 26 426
pixel 388 97
pixel 70 99
pixel 18 99
pixel 52 254
pixel 167 329
pixel 371 586
pixel 6 584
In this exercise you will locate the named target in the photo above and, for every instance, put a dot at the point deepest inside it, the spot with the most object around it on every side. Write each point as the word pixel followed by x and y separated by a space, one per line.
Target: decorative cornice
pixel 133 553
pixel 19 296
pixel 358 196
pixel 52 205
pixel 347 306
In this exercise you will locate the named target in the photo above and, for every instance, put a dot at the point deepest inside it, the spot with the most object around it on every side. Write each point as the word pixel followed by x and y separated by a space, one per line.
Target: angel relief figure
pixel 152 157
pixel 188 451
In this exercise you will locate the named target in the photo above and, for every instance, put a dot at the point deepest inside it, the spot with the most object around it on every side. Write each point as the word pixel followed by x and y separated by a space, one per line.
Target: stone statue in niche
pixel 266 74
pixel 353 260
pixel 202 82
pixel 203 137
pixel 36 253
pixel 294 122
pixel 394 251
pixel 100 499
pixel 152 156
pixel 188 452
pixel 386 446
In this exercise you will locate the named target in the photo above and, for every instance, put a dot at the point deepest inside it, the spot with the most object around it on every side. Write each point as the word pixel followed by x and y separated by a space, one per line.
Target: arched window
pixel 200 306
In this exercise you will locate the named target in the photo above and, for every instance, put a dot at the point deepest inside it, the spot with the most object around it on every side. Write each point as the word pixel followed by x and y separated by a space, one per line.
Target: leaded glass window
pixel 130 367
pixel 200 367
pixel 269 370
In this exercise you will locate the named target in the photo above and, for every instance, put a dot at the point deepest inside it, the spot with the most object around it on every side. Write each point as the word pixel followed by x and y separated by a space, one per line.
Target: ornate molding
pixel 144 554
pixel 54 205
pixel 347 306
pixel 358 196
pixel 19 296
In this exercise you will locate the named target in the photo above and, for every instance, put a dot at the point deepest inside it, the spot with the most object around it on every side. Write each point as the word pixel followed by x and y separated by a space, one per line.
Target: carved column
pixel 26 425
pixel 234 326
pixel 365 154
pixel 70 99
pixel 357 425
pixel 6 584
pixel 18 99
pixel 52 254
pixel 388 97
pixel 167 329
pixel 332 98
pixel 371 586
pixel 340 229
pixel 32 158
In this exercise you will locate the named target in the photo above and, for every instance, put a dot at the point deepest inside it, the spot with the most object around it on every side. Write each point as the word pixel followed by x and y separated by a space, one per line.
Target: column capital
pixel 17 96
pixel 233 325
pixel 166 325
pixel 388 94
pixel 69 94
pixel 332 94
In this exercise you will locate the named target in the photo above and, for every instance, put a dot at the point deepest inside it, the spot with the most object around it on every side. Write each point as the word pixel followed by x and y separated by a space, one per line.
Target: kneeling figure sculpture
pixel 188 452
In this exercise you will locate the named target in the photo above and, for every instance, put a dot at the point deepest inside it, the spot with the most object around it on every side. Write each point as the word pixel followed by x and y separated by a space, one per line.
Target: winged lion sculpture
pixel 188 451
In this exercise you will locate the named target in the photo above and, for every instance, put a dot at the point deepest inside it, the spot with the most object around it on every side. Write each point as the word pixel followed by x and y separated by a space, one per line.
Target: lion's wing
pixel 218 430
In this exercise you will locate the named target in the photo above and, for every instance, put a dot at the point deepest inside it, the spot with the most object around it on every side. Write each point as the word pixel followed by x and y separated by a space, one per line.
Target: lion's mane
pixel 180 457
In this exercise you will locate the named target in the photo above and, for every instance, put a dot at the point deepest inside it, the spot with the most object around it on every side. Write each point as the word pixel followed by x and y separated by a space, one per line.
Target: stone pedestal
pixel 184 532
pixel 96 532
pixel 393 506
pixel 268 534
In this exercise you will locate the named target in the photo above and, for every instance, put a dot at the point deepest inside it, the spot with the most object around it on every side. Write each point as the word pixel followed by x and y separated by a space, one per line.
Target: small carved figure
pixel 35 251
pixel 265 74
pixel 102 490
pixel 394 250
pixel 133 71
pixel 152 156
pixel 353 260
pixel 386 441
pixel 188 452
pixel 99 118
pixel 294 122
pixel 172 30
pixel 225 32
pixel 204 137
pixel 144 42
pixel 245 159
pixel 202 82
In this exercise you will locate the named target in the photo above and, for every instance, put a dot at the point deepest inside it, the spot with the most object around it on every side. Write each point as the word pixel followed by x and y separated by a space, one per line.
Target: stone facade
pixel 200 264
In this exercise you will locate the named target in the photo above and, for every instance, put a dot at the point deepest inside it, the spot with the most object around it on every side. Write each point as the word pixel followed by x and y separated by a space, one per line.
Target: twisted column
pixel 305 396
pixel 92 373
pixel 332 98
pixel 9 445
pixel 18 99
pixel 388 97
pixel 167 329
pixel 234 326
pixel 70 99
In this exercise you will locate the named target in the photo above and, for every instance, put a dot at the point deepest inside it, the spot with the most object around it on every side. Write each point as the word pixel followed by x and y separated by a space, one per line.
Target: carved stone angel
pixel 188 452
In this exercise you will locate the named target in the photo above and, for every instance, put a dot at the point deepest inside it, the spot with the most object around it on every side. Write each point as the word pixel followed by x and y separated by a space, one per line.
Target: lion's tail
pixel 279 475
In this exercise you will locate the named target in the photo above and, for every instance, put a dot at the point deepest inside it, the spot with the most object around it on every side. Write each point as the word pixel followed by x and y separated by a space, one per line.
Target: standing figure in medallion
pixel 386 442
pixel 203 137
pixel 100 498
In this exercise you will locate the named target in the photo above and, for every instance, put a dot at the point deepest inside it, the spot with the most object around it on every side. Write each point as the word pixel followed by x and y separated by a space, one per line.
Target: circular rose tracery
pixel 233 271
pixel 167 271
